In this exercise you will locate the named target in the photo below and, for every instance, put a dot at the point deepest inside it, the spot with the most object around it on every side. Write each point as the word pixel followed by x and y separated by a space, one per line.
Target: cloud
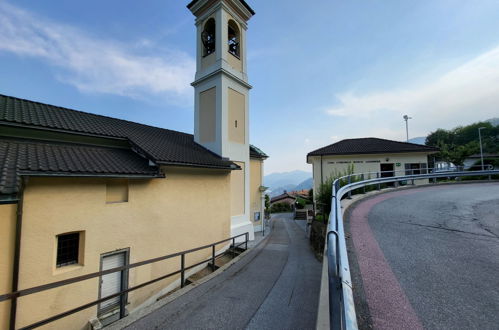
pixel 97 65
pixel 466 94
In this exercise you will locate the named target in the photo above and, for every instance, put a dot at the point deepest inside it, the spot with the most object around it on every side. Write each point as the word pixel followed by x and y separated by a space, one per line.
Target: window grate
pixel 67 249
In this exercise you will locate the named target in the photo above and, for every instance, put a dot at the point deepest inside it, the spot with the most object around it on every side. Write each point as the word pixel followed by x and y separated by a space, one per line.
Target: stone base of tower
pixel 241 224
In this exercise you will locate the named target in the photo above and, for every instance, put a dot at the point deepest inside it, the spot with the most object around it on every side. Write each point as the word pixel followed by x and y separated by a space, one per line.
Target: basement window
pixel 68 249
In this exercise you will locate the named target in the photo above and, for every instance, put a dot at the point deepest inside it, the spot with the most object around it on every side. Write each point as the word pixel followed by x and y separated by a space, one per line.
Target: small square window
pixel 68 246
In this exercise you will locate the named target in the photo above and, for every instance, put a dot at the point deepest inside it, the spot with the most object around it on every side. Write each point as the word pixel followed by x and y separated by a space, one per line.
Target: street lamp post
pixel 481 149
pixel 406 118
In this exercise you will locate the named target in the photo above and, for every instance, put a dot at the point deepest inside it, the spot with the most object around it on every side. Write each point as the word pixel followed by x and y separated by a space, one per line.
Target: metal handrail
pixel 342 313
pixel 122 293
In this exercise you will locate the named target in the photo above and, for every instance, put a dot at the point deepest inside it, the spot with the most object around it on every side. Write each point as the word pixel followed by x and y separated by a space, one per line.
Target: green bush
pixel 280 207
pixel 300 203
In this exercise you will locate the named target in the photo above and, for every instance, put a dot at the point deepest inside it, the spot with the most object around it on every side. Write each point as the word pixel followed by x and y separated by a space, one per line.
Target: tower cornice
pixel 221 71
pixel 240 7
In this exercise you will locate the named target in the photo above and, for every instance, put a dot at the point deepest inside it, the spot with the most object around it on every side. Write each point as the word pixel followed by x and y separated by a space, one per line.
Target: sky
pixel 321 71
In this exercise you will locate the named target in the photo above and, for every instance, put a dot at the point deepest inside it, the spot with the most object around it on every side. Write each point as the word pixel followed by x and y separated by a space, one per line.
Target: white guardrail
pixel 336 305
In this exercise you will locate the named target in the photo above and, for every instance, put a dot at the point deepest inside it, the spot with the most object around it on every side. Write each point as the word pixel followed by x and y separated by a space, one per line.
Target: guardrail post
pixel 122 295
pixel 233 247
pixel 377 177
pixel 362 179
pixel 213 257
pixel 349 192
pixel 182 270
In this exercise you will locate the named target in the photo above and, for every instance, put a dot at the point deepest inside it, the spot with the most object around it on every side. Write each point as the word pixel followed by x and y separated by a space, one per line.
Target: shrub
pixel 280 207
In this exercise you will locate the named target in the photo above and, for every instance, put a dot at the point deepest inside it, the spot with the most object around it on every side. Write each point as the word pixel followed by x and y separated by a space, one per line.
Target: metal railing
pixel 342 313
pixel 123 269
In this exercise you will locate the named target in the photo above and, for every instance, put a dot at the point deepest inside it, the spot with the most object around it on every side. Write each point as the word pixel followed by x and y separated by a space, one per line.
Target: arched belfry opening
pixel 234 38
pixel 208 37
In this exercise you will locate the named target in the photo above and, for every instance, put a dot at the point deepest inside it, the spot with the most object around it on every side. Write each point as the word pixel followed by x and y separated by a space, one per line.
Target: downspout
pixel 322 181
pixel 17 254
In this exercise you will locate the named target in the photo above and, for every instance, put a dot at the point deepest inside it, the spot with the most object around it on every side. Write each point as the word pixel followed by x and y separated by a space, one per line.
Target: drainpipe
pixel 322 181
pixel 17 254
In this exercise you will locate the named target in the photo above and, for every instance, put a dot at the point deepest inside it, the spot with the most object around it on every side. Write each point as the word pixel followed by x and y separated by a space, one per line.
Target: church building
pixel 81 193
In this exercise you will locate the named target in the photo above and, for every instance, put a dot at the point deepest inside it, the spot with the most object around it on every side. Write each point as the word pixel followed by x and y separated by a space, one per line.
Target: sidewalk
pixel 272 286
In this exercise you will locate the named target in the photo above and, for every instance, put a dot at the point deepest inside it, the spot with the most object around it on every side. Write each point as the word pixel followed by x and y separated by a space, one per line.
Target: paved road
pixel 427 258
pixel 275 286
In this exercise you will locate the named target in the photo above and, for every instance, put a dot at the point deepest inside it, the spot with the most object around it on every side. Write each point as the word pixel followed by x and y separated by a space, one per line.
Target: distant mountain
pixel 418 140
pixel 493 121
pixel 278 182
pixel 307 184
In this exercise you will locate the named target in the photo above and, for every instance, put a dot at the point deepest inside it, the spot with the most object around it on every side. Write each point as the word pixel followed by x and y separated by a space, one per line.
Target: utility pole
pixel 406 118
pixel 481 149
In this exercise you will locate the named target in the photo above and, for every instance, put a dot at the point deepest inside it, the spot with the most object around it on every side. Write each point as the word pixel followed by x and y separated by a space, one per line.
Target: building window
pixel 68 249
pixel 208 37
pixel 233 38
pixel 415 168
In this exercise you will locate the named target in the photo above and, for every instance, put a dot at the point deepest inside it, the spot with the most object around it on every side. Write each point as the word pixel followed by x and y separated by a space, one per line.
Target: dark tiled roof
pixel 370 146
pixel 257 153
pixel 281 197
pixel 20 156
pixel 160 145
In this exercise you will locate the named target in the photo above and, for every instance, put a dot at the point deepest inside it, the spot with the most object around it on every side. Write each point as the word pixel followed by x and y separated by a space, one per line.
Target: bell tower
pixel 221 118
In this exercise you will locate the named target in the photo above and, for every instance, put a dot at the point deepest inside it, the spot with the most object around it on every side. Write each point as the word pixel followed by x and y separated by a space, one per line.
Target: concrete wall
pixel 7 240
pixel 333 165
pixel 256 172
pixel 189 208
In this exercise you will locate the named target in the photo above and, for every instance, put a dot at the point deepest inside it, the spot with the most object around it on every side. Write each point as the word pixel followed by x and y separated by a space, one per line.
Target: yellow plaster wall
pixel 255 194
pixel 208 60
pixel 187 209
pixel 237 105
pixel 7 241
pixel 237 190
pixel 207 115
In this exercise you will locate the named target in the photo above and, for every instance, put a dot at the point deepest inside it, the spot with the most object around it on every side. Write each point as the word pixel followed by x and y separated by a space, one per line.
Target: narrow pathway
pixel 275 286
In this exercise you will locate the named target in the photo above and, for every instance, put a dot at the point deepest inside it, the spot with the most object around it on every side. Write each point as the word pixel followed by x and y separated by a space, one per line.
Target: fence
pixel 339 298
pixel 183 268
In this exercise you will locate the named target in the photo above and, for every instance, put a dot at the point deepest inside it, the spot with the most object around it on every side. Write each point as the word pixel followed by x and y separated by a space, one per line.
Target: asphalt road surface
pixel 427 258
pixel 275 286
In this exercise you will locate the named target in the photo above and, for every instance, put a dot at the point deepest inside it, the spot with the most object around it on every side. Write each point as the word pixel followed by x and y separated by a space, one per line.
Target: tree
pixel 267 202
pixel 459 143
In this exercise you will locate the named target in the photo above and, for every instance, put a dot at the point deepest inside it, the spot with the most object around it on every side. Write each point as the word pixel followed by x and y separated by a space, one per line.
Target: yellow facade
pixel 7 239
pixel 237 117
pixel 207 115
pixel 256 177
pixel 237 180
pixel 189 208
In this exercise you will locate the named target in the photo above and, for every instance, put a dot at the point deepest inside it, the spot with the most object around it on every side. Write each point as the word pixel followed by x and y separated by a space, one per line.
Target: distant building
pixel 379 157
pixel 474 162
pixel 284 198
